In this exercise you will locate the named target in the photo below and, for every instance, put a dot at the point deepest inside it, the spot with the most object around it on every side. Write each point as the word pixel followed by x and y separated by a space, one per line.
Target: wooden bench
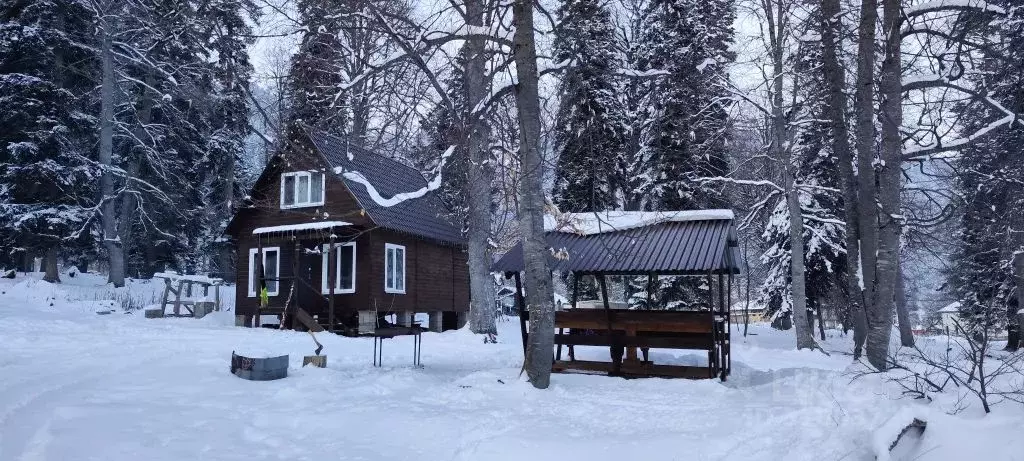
pixel 623 330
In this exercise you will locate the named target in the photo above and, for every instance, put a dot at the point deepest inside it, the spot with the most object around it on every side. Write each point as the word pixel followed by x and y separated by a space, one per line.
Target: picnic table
pixel 181 285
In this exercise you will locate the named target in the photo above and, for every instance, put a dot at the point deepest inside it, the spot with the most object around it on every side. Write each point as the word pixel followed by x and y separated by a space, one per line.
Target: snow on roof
pixel 300 227
pixel 951 307
pixel 754 306
pixel 610 221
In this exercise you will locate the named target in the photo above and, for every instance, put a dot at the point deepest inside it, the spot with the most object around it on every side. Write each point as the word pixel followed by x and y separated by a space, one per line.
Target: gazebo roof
pixel 693 242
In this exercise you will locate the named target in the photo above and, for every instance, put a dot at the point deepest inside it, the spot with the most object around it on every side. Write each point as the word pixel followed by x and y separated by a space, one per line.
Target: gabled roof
pixel 698 246
pixel 423 216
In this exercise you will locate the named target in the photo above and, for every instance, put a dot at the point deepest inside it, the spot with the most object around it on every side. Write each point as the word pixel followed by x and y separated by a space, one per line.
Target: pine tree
pixel 441 128
pixel 226 35
pixel 991 169
pixel 688 40
pixel 315 96
pixel 824 254
pixel 46 133
pixel 589 127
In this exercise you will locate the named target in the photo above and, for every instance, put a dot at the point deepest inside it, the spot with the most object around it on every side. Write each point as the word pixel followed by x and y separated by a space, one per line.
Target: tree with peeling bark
pixel 480 176
pixel 539 293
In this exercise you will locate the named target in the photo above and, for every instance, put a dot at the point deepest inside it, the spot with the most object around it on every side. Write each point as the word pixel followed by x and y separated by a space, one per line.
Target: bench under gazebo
pixel 695 243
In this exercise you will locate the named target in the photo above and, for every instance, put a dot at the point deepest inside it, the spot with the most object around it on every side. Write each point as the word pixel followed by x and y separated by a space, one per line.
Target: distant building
pixel 948 317
pixel 739 312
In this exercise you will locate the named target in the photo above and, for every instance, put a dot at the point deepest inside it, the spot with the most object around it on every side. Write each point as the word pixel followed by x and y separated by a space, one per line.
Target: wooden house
pixel 326 225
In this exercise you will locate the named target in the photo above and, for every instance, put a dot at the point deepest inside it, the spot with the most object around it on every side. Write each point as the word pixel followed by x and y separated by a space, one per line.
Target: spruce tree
pixel 686 42
pixel 46 132
pixel 824 255
pixel 440 129
pixel 227 33
pixel 689 41
pixel 989 180
pixel 314 89
pixel 589 127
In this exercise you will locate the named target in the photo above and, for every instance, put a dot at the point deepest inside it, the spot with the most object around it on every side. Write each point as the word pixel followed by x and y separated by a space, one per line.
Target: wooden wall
pixel 437 275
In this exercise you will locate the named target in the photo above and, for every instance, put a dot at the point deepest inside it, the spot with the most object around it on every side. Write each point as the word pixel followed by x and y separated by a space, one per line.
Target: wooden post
pixel 650 300
pixel 177 297
pixel 615 350
pixel 711 292
pixel 216 297
pixel 575 296
pixel 332 277
pixel 728 320
pixel 167 291
pixel 523 313
pixel 259 274
pixel 294 293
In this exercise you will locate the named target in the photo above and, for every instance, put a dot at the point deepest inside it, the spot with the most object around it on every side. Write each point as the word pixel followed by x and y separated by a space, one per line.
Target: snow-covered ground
pixel 75 385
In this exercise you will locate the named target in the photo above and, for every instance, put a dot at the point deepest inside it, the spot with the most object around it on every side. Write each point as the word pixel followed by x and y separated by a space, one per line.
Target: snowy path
pixel 80 386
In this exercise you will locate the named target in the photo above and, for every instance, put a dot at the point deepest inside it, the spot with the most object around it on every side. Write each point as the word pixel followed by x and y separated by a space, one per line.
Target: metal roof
pixel 694 247
pixel 423 216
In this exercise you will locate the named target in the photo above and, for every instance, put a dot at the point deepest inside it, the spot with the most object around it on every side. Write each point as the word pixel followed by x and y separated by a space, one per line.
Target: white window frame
pixel 324 287
pixel 252 270
pixel 393 270
pixel 309 189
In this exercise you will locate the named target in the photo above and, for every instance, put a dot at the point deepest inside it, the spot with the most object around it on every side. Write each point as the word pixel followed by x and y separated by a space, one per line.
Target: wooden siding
pixel 437 276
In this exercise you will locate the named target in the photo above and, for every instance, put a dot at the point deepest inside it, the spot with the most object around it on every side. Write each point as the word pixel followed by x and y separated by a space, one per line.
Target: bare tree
pixel 539 294
pixel 833 70
pixel 108 218
pixel 480 177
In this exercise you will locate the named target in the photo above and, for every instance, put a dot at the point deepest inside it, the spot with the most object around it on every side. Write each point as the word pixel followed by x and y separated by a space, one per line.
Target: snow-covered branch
pixel 937 81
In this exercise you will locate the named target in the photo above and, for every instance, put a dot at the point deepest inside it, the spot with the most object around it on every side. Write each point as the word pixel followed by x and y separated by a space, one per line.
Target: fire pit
pixel 259 369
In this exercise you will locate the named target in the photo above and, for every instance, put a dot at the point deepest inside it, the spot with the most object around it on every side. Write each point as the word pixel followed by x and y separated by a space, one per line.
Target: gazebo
pixel 693 243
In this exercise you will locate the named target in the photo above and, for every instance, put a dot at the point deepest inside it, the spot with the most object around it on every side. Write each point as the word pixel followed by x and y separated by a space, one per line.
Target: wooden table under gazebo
pixel 696 243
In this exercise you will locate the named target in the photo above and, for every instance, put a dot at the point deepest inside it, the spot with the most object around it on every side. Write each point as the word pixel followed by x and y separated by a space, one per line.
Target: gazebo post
pixel 616 349
pixel 650 299
pixel 575 297
pixel 523 314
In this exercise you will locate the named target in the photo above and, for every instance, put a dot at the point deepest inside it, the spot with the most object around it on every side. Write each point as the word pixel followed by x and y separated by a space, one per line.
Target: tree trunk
pixel 867 211
pixel 804 337
pixel 108 215
pixel 890 90
pixel 481 176
pixel 821 320
pixel 539 351
pixel 782 153
pixel 130 202
pixel 902 312
pixel 1015 311
pixel 50 266
pixel 836 112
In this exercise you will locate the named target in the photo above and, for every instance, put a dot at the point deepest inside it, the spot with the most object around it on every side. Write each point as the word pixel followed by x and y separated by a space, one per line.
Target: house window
pixel 302 189
pixel 344 267
pixel 271 268
pixel 394 268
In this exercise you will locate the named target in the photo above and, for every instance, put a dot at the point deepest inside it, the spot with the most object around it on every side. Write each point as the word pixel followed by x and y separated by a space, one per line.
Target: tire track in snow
pixel 24 426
